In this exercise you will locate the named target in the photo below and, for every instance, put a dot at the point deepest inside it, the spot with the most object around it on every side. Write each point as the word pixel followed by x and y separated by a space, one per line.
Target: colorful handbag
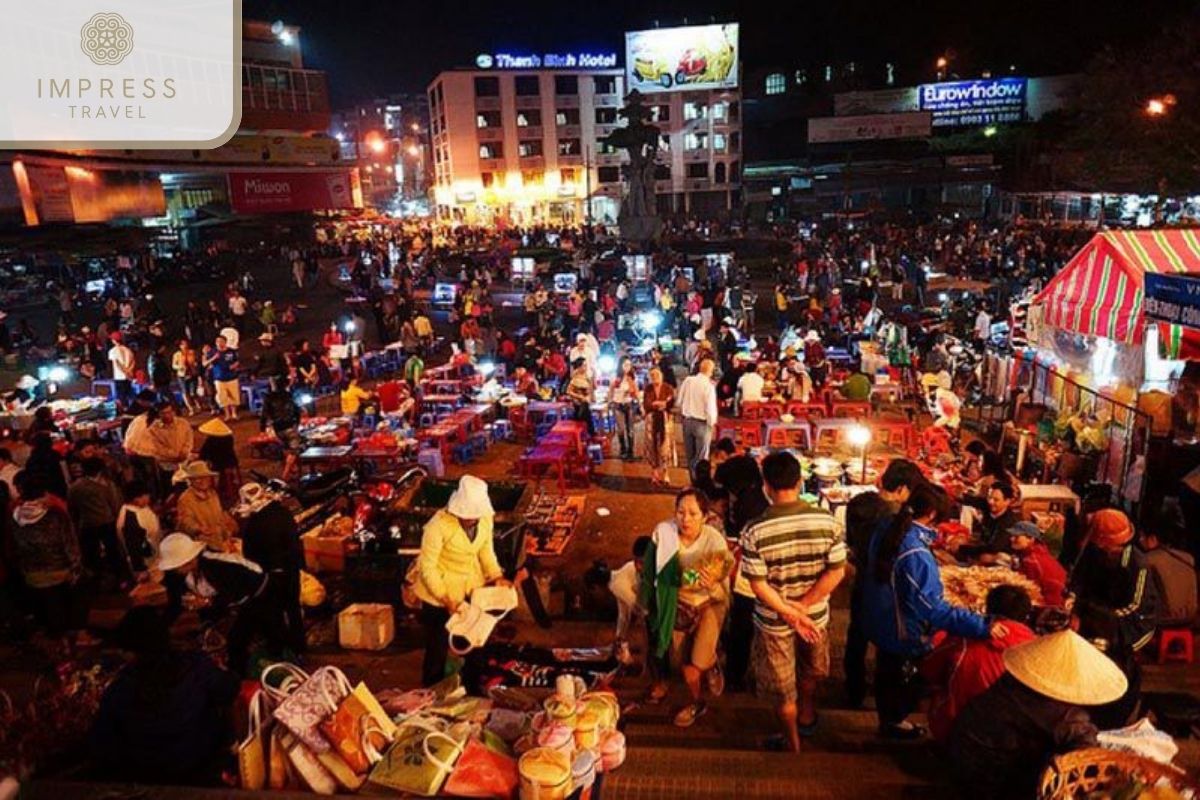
pixel 340 771
pixel 303 708
pixel 347 731
pixel 418 763
pixel 372 705
pixel 252 751
pixel 305 764
pixel 483 772
pixel 277 760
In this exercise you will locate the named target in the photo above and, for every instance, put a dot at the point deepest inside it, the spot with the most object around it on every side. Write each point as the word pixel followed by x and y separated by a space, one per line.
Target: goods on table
pixel 968 586
pixel 550 521
pixel 1100 773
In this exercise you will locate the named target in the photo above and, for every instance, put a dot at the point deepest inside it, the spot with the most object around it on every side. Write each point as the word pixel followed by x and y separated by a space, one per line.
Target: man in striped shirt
pixel 794 557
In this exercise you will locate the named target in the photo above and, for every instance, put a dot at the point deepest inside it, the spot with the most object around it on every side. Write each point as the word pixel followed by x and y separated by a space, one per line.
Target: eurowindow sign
pixel 572 60
pixel 983 102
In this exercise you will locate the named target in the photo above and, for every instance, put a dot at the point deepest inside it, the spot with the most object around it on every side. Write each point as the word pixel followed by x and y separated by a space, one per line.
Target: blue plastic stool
pixel 479 443
pixel 463 453
pixel 502 429
pixel 596 452
pixel 426 420
pixel 431 459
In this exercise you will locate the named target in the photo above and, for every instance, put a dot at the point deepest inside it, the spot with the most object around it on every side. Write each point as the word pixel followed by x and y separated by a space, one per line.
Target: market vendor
pixel 991 533
pixel 26 394
pixel 1036 562
pixel 457 556
pixel 199 513
pixel 1001 741
pixel 1116 600
pixel 581 391
pixel 223 583
pixel 272 540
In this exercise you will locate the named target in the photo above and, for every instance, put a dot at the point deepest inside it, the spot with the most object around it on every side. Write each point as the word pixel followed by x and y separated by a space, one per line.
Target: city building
pixel 523 145
pixel 521 138
pixel 388 139
pixel 281 160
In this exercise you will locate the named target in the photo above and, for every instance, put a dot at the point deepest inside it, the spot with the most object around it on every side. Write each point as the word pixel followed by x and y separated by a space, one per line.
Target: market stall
pixel 1096 360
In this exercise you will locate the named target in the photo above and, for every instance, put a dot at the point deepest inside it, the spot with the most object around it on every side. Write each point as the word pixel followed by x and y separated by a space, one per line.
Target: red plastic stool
pixel 1168 638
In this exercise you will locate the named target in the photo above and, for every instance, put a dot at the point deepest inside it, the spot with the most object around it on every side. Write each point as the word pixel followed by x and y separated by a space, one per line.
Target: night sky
pixel 375 48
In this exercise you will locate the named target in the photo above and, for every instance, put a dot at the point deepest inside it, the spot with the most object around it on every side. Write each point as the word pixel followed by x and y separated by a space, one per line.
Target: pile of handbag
pixel 317 732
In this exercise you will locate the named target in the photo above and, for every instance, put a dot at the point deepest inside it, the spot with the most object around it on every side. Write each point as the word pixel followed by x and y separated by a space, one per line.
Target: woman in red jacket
pixel 959 669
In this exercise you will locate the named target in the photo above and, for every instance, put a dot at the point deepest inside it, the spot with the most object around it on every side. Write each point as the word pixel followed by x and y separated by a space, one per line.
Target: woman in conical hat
pixel 1003 739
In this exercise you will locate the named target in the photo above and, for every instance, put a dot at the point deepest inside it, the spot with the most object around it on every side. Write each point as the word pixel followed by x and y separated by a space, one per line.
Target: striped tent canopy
pixel 1100 290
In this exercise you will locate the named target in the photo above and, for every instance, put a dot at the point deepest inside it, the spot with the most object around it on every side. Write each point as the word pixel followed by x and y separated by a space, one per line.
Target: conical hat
pixel 1065 666
pixel 216 427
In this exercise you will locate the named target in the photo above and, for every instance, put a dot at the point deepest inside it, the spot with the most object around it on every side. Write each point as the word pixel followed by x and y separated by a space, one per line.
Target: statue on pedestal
pixel 638 218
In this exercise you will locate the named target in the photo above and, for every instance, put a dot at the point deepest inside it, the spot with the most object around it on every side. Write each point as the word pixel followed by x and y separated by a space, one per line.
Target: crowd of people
pixel 733 592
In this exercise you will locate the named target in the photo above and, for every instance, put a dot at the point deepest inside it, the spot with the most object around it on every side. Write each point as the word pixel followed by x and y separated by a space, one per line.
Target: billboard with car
pixel 679 59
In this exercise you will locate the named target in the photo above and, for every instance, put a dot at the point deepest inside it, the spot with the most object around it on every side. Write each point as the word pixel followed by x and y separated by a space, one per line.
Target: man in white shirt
pixel 123 366
pixel 237 307
pixel 749 386
pixel 697 399
pixel 983 325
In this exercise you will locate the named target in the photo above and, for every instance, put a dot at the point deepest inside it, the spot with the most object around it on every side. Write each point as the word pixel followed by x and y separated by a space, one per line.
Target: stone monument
pixel 638 219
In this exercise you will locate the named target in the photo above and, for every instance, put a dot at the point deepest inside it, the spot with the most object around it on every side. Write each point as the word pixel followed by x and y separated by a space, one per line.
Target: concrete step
pixel 703 774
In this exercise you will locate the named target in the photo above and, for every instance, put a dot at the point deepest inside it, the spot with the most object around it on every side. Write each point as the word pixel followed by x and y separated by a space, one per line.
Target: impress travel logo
pixel 75 75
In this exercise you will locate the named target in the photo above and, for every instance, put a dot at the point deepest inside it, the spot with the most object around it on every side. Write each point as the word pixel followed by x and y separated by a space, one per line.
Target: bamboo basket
pixel 1096 769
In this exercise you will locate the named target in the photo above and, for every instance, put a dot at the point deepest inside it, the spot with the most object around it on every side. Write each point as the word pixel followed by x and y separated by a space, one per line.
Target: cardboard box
pixel 366 626
pixel 324 553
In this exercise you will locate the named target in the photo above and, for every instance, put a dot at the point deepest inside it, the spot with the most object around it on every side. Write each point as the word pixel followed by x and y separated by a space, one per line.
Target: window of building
pixel 568 176
pixel 569 147
pixel 735 141
pixel 529 148
pixel 698 169
pixel 662 172
pixel 529 118
pixel 733 171
pixel 606 84
pixel 566 84
pixel 526 85
pixel 776 83
pixel 720 111
pixel 801 77
pixel 608 174
pixel 487 86
pixel 664 142
pixel 719 173
pixel 491 150
pixel 567 116
pixel 718 142
pixel 605 149
pixel 695 141
pixel 606 116
pixel 532 177
pixel 487 119
pixel 735 109
pixel 694 111
pixel 487 179
pixel 660 113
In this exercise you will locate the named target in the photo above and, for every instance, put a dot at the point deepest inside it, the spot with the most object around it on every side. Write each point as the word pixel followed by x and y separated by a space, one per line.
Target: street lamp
pixel 941 63
pixel 860 437
pixel 1156 107
pixel 414 151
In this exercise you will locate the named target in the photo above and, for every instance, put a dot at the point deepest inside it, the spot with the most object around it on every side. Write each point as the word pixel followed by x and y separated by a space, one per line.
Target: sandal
pixel 715 679
pixel 688 715
pixel 654 696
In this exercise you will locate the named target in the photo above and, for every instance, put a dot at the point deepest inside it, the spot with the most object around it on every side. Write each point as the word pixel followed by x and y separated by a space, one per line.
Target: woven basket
pixel 1078 774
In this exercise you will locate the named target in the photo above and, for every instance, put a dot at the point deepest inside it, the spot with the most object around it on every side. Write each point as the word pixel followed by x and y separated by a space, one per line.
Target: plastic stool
pixel 426 420
pixel 431 459
pixel 502 429
pixel 1168 638
pixel 478 443
pixel 463 454
pixel 596 452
